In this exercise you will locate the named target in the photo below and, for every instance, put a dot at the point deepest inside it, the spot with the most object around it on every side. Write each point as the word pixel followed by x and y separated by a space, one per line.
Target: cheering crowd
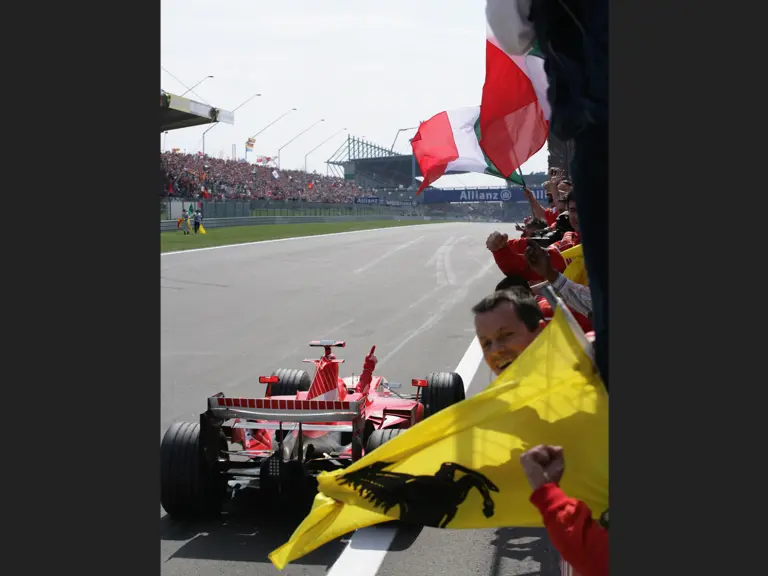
pixel 194 175
pixel 534 258
pixel 571 36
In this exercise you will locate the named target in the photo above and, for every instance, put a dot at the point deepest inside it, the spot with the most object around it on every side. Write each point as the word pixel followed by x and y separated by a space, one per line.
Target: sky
pixel 371 67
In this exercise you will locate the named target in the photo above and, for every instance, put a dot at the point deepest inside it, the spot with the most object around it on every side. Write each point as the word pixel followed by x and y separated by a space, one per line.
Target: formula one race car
pixel 278 444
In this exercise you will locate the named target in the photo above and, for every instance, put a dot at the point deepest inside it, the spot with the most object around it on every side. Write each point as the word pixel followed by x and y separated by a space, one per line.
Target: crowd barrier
pixel 168 225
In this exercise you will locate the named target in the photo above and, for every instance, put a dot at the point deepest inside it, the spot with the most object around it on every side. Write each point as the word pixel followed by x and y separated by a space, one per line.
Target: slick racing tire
pixel 190 486
pixel 443 389
pixel 379 437
pixel 289 382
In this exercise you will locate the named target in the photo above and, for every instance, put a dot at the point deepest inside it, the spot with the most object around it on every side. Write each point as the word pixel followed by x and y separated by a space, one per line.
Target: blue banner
pixel 441 195
pixel 383 201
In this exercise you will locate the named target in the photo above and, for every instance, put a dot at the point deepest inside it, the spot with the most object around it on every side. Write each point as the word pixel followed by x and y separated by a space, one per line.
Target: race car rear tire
pixel 379 437
pixel 443 389
pixel 289 382
pixel 189 486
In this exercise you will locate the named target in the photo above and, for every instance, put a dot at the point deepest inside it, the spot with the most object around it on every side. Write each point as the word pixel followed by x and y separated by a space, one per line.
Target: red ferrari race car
pixel 278 444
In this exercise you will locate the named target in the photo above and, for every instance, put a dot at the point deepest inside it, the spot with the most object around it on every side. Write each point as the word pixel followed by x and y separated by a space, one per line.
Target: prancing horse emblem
pixel 426 500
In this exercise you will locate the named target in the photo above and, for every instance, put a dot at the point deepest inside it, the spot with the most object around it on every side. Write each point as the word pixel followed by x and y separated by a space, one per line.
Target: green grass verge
pixel 175 240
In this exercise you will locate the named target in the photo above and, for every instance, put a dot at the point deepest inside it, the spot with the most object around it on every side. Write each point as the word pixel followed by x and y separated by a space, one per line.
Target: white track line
pixel 387 254
pixel 367 547
pixel 295 238
pixel 365 552
pixel 470 362
pixel 444 309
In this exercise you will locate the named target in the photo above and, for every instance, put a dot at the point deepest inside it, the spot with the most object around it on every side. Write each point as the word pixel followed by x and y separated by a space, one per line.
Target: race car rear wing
pixel 287 410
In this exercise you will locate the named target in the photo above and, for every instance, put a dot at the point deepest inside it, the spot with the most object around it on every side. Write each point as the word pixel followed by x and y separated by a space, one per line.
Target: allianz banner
pixel 438 195
pixel 382 201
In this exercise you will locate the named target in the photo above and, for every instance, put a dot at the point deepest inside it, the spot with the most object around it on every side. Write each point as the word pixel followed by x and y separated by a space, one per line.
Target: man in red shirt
pixel 510 254
pixel 518 285
pixel 580 540
pixel 572 237
pixel 506 323
pixel 552 187
pixel 549 214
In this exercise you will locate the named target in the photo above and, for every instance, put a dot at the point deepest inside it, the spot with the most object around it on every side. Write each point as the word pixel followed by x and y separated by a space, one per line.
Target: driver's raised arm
pixel 366 376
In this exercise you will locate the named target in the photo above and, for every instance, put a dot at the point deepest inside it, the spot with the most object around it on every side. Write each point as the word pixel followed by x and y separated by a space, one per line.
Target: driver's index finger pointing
pixel 373 349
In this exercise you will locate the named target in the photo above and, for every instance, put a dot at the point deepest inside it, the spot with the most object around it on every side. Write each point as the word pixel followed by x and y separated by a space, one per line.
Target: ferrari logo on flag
pixel 460 468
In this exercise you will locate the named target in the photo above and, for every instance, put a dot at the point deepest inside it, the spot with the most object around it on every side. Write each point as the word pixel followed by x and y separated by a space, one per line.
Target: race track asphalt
pixel 234 313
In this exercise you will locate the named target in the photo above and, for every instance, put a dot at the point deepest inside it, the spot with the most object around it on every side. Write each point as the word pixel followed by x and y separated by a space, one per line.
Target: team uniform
pixel 511 260
pixel 581 541
pixel 569 240
pixel 550 216
pixel 548 312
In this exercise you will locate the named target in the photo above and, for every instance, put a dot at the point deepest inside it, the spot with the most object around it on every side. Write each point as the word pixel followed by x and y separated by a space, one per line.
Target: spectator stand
pixel 234 188
pixel 375 167
pixel 178 112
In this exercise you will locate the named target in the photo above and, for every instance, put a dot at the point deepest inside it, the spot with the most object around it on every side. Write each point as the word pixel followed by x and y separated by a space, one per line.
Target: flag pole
pixel 546 290
pixel 520 169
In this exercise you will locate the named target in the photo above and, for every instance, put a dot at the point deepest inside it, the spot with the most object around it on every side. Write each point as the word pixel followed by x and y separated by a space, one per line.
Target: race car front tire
pixel 379 437
pixel 289 382
pixel 189 486
pixel 443 389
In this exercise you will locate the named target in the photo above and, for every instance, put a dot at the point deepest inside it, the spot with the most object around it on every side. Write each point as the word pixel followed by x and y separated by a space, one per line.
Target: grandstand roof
pixel 179 112
pixel 357 157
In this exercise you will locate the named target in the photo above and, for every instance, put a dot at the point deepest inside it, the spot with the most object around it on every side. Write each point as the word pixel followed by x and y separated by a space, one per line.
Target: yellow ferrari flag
pixel 327 521
pixel 202 230
pixel 575 271
pixel 460 468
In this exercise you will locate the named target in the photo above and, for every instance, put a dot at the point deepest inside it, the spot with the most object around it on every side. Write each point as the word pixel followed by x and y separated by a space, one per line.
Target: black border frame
pixel 81 290
pixel 678 445
pixel 681 133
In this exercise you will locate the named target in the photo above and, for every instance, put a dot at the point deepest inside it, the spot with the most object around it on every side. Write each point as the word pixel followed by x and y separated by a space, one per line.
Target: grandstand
pixel 375 167
pixel 238 179
pixel 391 179
pixel 178 112
pixel 362 178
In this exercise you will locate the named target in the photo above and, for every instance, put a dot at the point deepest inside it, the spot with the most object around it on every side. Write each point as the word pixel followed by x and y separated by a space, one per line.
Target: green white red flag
pixel 514 111
pixel 510 125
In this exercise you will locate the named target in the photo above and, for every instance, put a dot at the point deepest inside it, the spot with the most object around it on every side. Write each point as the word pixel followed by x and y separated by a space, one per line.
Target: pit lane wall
pixel 170 225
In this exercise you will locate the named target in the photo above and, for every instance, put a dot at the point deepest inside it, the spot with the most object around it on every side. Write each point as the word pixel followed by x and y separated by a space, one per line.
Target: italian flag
pixel 450 142
pixel 497 137
pixel 514 111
